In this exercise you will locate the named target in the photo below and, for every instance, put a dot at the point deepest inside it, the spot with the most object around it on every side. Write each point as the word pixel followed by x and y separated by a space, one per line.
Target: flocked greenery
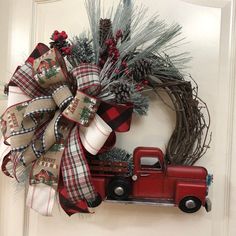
pixel 146 51
pixel 119 155
pixel 81 50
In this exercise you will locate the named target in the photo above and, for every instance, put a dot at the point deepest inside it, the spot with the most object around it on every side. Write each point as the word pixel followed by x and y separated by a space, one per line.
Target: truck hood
pixel 192 172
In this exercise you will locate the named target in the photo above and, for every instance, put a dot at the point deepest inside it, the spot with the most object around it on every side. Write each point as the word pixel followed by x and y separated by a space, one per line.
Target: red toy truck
pixel 152 182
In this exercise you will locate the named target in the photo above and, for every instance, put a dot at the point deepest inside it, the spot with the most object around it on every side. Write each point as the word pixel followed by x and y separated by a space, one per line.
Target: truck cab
pixel 149 172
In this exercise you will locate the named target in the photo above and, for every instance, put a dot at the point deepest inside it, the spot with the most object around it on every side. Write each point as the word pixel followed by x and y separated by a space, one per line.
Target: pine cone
pixel 141 69
pixel 105 30
pixel 122 92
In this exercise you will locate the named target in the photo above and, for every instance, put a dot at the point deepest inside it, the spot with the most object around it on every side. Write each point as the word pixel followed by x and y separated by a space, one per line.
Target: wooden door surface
pixel 210 30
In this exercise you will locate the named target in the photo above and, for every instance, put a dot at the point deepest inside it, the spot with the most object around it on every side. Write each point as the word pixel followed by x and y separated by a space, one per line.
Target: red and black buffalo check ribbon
pixel 39 50
pixel 118 116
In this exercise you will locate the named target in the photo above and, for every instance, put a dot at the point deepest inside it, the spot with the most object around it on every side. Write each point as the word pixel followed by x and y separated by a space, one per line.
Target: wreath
pixel 66 103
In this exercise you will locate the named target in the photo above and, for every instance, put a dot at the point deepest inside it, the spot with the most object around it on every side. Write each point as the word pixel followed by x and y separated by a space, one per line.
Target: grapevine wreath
pixel 66 103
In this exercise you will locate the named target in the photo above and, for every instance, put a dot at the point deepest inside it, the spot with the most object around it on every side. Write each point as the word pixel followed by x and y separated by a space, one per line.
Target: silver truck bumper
pixel 208 205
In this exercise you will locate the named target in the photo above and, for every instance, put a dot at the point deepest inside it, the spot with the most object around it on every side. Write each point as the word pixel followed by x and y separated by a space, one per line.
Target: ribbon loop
pixel 40 105
pixel 82 109
pixel 23 78
pixel 87 77
pixel 94 136
pixel 50 69
pixel 62 96
pixel 118 117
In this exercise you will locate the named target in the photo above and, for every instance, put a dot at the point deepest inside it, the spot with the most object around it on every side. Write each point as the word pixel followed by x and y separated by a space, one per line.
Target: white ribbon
pixel 94 136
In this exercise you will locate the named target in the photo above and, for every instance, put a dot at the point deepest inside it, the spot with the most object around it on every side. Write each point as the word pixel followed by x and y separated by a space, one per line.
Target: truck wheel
pixel 190 204
pixel 119 189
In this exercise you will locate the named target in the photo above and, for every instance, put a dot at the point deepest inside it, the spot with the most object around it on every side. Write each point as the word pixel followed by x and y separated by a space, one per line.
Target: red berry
pixel 64 35
pixel 124 64
pixel 109 42
pixel 117 71
pixel 56 32
pixel 139 87
pixel 55 37
pixel 110 52
pixel 127 71
pixel 117 54
pixel 64 49
pixel 68 51
pixel 119 34
pixel 101 61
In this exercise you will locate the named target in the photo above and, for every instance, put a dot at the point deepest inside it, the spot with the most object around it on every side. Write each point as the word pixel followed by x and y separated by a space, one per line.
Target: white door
pixel 210 28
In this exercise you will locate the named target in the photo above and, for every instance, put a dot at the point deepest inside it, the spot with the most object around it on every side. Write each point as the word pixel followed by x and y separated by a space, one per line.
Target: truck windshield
pixel 150 163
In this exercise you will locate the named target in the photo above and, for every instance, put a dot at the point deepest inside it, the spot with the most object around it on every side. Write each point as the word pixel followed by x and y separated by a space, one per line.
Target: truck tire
pixel 190 204
pixel 119 189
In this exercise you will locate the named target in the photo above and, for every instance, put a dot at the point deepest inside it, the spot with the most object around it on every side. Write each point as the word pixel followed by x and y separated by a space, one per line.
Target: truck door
pixel 148 177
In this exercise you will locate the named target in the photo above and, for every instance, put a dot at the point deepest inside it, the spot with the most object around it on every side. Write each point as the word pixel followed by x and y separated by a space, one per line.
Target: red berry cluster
pixel 59 42
pixel 124 66
pixel 57 36
pixel 111 49
pixel 141 85
pixel 119 35
pixel 66 50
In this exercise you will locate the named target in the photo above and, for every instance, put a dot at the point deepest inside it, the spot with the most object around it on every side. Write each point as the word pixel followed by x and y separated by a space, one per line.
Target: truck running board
pixel 153 202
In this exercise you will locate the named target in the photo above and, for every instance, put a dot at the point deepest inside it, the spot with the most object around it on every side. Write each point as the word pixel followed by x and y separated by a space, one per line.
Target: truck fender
pixel 186 189
pixel 100 186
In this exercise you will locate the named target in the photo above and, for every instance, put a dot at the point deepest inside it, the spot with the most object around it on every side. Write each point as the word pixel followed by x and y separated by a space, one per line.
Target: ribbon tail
pixel 75 171
pixel 41 198
pixel 44 180
pixel 69 207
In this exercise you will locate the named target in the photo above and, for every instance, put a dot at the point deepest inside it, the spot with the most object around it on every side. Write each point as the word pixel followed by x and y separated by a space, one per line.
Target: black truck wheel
pixel 190 204
pixel 118 189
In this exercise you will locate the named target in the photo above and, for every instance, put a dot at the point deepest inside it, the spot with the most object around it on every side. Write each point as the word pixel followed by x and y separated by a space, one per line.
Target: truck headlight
pixel 209 179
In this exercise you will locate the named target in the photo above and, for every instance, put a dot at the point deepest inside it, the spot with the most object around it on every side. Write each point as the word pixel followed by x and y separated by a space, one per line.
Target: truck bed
pixel 108 168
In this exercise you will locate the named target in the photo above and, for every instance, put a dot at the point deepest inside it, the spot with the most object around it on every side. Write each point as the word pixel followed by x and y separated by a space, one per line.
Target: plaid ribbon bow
pixel 39 131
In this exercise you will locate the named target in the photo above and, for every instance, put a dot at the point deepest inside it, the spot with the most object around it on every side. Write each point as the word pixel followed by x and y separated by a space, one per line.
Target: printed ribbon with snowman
pixel 54 120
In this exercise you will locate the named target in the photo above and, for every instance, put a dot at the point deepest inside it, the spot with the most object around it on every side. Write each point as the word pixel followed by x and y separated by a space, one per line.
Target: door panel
pixel 150 177
pixel 149 184
pixel 210 32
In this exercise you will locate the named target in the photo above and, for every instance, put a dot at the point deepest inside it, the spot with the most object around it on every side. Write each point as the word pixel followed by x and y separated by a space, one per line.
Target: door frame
pixel 223 205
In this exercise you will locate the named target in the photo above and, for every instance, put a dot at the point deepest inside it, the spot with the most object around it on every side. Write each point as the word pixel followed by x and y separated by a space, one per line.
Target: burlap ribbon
pixel 52 128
